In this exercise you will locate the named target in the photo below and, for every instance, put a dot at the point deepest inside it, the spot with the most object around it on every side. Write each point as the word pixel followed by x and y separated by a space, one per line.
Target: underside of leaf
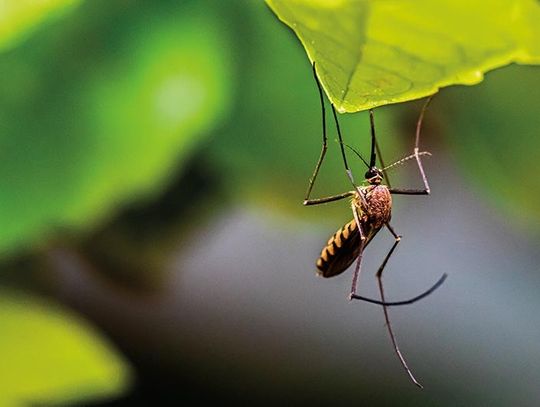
pixel 370 53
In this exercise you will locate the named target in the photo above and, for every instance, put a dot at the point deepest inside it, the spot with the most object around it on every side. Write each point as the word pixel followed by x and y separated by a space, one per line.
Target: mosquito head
pixel 374 176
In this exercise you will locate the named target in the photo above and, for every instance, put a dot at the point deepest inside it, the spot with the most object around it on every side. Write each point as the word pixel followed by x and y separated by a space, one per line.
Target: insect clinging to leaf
pixel 371 205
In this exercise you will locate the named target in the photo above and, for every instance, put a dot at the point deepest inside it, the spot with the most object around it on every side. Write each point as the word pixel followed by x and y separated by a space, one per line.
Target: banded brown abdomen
pixel 343 247
pixel 340 251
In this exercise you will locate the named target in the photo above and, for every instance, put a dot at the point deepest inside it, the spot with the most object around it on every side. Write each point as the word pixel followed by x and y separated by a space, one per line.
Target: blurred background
pixel 153 245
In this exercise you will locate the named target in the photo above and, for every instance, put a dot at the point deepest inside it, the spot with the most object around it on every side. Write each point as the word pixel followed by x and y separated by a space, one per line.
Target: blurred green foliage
pixel 18 19
pixel 370 53
pixel 95 111
pixel 50 355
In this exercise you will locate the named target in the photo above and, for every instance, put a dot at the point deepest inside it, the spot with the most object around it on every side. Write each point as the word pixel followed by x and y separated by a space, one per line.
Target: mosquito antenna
pixel 373 156
pixel 405 159
pixel 357 153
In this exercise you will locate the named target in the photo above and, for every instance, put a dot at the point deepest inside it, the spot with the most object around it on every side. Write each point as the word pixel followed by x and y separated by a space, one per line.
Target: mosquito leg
pixel 318 201
pixel 383 300
pixel 316 171
pixel 389 254
pixel 324 139
pixel 383 167
pixel 385 309
pixel 426 190
pixel 344 156
pixel 435 286
pixel 439 282
pixel 354 296
pixel 358 264
pixel 375 147
pixel 342 148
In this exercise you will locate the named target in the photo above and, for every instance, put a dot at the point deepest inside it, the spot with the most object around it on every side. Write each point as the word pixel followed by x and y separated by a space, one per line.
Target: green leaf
pixel 82 133
pixel 375 52
pixel 48 355
pixel 18 18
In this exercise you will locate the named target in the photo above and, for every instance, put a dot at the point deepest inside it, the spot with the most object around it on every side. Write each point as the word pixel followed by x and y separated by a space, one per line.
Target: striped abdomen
pixel 344 246
pixel 340 251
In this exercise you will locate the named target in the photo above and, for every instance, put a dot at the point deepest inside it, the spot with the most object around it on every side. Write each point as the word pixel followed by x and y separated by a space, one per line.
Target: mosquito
pixel 371 205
